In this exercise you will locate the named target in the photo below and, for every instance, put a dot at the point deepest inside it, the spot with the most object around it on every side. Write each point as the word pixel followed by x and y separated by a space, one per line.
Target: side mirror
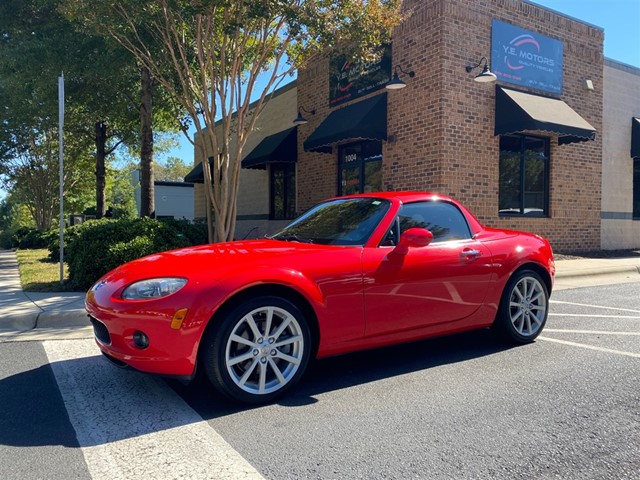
pixel 414 238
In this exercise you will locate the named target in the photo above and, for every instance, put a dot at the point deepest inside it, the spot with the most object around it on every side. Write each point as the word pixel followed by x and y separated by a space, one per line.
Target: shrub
pixel 70 234
pixel 25 238
pixel 8 240
pixel 34 238
pixel 97 246
pixel 123 252
pixel 194 232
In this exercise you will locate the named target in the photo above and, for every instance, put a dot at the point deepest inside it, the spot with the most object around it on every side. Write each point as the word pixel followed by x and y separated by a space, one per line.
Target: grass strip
pixel 39 274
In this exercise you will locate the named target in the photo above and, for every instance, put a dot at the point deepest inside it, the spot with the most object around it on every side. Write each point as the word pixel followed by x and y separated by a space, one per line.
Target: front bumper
pixel 170 351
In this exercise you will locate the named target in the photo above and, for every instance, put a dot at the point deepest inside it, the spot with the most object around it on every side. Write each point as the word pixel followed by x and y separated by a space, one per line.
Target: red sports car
pixel 352 273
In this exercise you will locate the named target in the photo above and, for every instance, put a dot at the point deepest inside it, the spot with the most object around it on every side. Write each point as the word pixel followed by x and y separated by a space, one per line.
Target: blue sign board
pixel 526 58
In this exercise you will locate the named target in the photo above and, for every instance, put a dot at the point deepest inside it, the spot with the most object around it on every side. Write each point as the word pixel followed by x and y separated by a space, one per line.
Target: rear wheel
pixel 523 308
pixel 259 350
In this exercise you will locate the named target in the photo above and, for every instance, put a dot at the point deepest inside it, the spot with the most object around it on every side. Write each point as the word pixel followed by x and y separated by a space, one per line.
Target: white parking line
pixel 594 332
pixel 590 347
pixel 594 306
pixel 131 425
pixel 632 317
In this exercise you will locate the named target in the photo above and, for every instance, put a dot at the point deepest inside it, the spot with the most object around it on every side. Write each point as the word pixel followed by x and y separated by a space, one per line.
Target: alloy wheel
pixel 528 306
pixel 265 350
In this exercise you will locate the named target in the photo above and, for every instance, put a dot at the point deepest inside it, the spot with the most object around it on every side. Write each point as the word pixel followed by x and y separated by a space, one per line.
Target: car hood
pixel 221 258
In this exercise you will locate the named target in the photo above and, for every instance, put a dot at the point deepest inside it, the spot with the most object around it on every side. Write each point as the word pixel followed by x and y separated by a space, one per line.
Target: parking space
pixel 461 406
pixel 608 322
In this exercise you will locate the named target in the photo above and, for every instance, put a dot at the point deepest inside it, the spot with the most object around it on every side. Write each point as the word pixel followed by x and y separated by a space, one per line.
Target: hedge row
pixel 26 238
pixel 97 246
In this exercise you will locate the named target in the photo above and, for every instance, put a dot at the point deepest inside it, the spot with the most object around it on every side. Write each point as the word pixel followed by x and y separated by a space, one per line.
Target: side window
pixel 442 219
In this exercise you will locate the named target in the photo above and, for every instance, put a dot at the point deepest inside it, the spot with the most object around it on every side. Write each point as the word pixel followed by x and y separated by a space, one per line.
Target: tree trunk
pixel 101 171
pixel 147 200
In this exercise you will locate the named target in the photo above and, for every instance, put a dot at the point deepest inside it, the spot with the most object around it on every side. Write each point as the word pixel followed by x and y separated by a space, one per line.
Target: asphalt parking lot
pixel 464 406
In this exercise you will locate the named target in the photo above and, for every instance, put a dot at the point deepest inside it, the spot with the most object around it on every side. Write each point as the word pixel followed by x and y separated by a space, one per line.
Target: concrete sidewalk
pixel 44 315
pixel 25 311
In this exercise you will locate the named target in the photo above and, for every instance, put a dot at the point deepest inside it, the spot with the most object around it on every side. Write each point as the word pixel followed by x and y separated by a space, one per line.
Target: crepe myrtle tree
pixel 216 56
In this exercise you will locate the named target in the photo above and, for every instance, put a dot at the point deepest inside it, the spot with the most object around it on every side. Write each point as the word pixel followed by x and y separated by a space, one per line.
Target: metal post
pixel 61 126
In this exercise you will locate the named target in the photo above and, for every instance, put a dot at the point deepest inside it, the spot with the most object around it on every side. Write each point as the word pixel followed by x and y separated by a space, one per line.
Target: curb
pixel 63 319
pixel 19 322
pixel 44 319
pixel 599 271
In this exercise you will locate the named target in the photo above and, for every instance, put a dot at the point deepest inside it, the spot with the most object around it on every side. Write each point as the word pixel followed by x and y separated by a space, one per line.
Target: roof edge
pixel 618 65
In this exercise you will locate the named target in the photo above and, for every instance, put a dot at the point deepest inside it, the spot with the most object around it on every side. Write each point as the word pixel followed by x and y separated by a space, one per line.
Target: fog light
pixel 140 340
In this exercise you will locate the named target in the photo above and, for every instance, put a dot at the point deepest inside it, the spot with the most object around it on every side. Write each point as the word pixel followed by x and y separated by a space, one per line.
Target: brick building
pixel 440 128
pixel 524 152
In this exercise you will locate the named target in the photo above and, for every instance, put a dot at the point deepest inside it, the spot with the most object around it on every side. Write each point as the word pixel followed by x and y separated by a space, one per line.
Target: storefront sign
pixel 526 58
pixel 349 80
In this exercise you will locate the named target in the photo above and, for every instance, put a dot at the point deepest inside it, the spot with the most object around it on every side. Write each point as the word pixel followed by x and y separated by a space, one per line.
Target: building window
pixel 524 176
pixel 360 167
pixel 283 191
pixel 636 188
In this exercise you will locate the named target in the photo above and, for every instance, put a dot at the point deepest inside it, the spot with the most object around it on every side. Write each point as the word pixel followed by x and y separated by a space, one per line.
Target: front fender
pixel 336 299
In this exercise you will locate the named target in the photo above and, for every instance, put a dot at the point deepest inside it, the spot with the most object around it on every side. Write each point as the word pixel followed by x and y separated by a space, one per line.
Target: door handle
pixel 469 254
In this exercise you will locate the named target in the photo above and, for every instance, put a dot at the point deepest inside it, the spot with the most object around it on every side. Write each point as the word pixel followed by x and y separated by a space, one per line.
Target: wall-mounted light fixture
pixel 300 120
pixel 486 75
pixel 588 84
pixel 396 83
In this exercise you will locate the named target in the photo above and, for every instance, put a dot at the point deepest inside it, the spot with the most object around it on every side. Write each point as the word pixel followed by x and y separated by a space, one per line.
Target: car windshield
pixel 349 221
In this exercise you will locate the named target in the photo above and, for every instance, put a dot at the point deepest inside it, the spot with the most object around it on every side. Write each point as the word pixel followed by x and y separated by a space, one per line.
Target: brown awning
pixel 518 111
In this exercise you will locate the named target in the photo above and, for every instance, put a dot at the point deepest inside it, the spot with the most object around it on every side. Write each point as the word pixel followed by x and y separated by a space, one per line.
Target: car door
pixel 442 282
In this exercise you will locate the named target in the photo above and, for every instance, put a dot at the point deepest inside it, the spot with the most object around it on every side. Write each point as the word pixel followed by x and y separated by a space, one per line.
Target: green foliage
pixel 214 57
pixel 121 193
pixel 100 81
pixel 122 252
pixel 194 233
pixel 98 246
pixel 70 234
pixel 32 238
pixel 15 222
pixel 173 169
pixel 26 238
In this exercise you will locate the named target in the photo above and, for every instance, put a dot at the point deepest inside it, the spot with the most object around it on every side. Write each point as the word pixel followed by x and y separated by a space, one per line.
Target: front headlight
pixel 153 288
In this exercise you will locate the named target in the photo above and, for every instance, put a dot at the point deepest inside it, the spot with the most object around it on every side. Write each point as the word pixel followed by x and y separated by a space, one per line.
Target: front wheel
pixel 258 351
pixel 523 308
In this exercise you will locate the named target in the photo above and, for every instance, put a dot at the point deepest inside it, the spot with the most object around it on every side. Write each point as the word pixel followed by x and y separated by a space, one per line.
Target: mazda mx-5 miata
pixel 352 273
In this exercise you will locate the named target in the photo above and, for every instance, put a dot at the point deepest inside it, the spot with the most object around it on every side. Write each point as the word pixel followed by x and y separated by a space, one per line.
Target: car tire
pixel 524 307
pixel 258 351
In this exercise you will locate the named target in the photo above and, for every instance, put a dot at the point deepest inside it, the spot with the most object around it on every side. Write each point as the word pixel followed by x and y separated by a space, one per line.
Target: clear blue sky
pixel 620 20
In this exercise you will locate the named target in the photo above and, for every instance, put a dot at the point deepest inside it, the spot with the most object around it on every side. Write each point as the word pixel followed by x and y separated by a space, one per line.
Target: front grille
pixel 100 331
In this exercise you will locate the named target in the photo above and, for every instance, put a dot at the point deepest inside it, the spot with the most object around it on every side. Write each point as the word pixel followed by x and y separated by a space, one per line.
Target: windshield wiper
pixel 292 237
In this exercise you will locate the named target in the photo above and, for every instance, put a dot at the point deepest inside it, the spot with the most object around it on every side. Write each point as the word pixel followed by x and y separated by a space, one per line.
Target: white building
pixel 172 199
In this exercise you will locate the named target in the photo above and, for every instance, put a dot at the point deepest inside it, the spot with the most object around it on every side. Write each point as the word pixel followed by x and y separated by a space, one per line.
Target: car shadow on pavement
pixel 353 369
pixel 33 412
